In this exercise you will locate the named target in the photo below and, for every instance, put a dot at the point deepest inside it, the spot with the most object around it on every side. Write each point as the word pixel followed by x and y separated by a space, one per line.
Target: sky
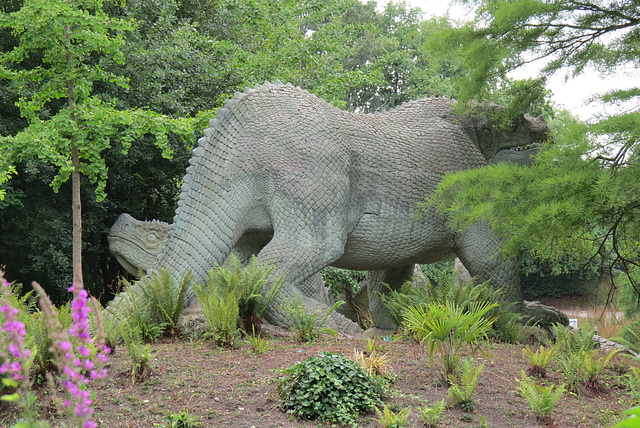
pixel 571 93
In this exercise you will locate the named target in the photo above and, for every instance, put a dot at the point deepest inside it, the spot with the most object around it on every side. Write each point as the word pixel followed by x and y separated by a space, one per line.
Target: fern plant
pixel 388 419
pixel 539 360
pixel 633 382
pixel 571 366
pixel 306 325
pixel 164 301
pixel 252 286
pixel 460 393
pixel 594 365
pixel 573 341
pixel 221 311
pixel 449 329
pixel 431 415
pixel 541 399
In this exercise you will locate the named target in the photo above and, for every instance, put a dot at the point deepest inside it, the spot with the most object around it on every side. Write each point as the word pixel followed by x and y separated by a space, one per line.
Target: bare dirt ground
pixel 236 388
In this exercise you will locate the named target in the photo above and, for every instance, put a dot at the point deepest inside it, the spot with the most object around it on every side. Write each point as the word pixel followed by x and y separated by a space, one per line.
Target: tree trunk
pixel 76 203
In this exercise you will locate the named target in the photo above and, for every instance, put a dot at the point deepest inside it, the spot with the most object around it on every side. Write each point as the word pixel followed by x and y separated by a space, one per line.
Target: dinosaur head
pixel 136 244
pixel 517 141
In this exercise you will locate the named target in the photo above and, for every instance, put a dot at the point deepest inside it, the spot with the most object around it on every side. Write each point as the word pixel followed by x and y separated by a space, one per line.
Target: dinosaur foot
pixel 542 315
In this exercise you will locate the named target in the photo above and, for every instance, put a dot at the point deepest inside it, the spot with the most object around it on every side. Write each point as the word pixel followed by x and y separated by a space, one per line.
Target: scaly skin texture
pixel 136 244
pixel 282 174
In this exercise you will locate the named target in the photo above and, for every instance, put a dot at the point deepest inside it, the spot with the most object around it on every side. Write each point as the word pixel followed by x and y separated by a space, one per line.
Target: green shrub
pixel 463 385
pixel 388 419
pixel 449 329
pixel 431 415
pixel 444 288
pixel 306 325
pixel 329 387
pixel 541 399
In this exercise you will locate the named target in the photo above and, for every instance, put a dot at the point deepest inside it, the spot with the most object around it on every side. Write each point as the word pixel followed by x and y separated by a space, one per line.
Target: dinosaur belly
pixel 412 240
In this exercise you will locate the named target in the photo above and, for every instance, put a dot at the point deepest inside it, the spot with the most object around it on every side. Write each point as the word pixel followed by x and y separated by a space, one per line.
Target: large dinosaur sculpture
pixel 282 174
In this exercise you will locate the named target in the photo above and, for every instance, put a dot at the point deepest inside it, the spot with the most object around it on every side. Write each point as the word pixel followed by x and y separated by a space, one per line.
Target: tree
pixel 582 196
pixel 66 39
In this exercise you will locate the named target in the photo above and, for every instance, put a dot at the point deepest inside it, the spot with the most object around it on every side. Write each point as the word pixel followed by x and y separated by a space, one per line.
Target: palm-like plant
pixel 449 329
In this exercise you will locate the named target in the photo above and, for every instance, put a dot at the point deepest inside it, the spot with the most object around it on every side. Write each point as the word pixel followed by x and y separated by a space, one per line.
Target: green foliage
pixel 541 399
pixel 629 299
pixel 305 324
pixel 179 420
pixel 329 387
pixel 237 297
pixel 539 360
pixel 633 381
pixel 388 419
pixel 594 365
pixel 164 300
pixel 221 312
pixel 573 341
pixel 258 343
pixel 571 366
pixel 463 385
pixel 580 198
pixel 633 419
pixel 340 279
pixel 251 285
pixel 140 353
pixel 431 415
pixel 449 329
pixel 445 288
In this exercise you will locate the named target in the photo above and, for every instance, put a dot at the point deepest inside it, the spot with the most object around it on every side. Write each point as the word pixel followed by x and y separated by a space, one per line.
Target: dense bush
pixel 329 387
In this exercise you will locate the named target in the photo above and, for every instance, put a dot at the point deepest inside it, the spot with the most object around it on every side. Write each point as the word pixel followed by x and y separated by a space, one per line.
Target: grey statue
pixel 282 174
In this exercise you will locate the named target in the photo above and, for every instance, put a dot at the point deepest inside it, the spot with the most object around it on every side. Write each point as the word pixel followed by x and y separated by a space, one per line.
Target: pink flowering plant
pixel 16 360
pixel 78 356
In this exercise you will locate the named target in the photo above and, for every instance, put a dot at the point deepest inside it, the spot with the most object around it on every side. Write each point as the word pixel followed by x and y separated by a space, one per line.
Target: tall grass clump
pixel 449 329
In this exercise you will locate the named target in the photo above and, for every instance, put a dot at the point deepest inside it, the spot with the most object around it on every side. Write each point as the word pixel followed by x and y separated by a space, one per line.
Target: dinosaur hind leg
pixel 376 280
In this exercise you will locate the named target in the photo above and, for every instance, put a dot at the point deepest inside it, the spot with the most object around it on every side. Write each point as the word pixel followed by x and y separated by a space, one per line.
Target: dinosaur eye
pixel 152 237
pixel 511 126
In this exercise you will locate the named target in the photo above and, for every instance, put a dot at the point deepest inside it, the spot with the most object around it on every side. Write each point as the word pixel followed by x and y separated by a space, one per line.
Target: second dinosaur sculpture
pixel 282 174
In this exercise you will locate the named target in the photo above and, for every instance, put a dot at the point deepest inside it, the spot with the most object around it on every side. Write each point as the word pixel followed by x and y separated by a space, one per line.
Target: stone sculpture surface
pixel 282 174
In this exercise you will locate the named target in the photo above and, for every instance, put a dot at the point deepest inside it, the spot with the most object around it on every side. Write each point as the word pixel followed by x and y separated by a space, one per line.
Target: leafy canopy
pixel 582 196
pixel 68 38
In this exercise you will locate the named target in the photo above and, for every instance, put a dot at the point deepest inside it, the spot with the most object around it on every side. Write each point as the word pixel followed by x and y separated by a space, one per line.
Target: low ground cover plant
pixel 329 387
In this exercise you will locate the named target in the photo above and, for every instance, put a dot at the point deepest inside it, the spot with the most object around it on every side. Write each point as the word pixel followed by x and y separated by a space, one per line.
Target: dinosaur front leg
pixel 300 260
pixel 379 313
pixel 479 251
